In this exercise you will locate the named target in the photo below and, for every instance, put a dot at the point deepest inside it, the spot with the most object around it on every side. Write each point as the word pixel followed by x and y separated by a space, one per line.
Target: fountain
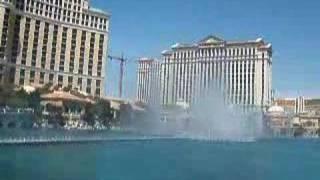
pixel 211 117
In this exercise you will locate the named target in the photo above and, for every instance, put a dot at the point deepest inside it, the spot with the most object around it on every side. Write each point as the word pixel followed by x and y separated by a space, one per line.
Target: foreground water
pixel 152 159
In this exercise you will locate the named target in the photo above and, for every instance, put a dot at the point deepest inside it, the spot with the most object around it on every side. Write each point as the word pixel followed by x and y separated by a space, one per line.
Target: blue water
pixel 162 159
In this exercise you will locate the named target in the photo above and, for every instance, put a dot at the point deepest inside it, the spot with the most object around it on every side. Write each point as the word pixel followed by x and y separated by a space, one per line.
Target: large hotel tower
pixel 242 70
pixel 148 83
pixel 61 42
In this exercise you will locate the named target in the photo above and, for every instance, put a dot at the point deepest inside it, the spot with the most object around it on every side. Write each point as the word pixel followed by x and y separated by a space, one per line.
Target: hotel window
pixel 21 81
pixel 89 82
pixel 22 73
pixel 41 77
pixel 25 41
pixel 73 49
pixel 100 55
pixel 32 74
pixel 98 92
pixel 54 47
pixel 16 44
pixel 60 80
pixel 98 83
pixel 252 82
pixel 35 44
pixel 82 50
pixel 70 80
pixel 263 78
pixel 4 33
pixel 88 90
pixel 91 54
pixel 80 82
pixel 45 45
pixel 51 76
pixel 22 76
pixel 63 49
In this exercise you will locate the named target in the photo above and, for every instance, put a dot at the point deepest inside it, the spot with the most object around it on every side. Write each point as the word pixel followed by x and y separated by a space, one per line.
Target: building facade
pixel 61 42
pixel 148 81
pixel 242 70
pixel 300 105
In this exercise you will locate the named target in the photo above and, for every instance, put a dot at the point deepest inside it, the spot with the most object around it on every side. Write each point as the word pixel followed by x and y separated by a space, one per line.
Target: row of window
pixel 4 35
pixel 16 39
pixel 82 50
pixel 73 50
pixel 35 44
pixel 16 45
pixel 60 79
pixel 54 47
pixel 67 13
pixel 45 44
pixel 216 52
pixel 184 77
pixel 25 41
pixel 63 46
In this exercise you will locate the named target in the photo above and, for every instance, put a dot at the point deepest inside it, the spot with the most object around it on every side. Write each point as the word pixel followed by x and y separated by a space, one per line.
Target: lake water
pixel 161 159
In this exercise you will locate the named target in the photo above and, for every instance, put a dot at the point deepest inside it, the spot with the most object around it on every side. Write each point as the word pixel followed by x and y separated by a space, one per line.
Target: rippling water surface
pixel 152 159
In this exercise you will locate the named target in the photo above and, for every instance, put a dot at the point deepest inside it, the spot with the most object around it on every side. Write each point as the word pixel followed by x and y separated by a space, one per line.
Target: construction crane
pixel 122 61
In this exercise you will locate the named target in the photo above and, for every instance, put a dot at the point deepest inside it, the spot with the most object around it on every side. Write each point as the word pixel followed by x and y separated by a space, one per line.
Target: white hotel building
pixel 61 42
pixel 242 70
pixel 148 81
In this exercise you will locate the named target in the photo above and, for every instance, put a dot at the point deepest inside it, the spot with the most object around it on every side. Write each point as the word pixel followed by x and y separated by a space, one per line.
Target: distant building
pixel 289 104
pixel 62 42
pixel 148 83
pixel 242 70
pixel 313 106
pixel 300 105
pixel 309 122
pixel 277 121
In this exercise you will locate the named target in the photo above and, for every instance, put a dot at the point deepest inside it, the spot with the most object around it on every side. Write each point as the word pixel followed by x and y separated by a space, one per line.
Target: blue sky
pixel 142 28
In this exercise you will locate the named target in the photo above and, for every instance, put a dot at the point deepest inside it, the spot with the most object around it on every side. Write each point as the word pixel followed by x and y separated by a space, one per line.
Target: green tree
pixel 45 89
pixel 89 114
pixel 126 112
pixel 67 89
pixel 73 106
pixel 55 117
pixel 101 111
pixel 6 93
pixel 34 102
pixel 17 99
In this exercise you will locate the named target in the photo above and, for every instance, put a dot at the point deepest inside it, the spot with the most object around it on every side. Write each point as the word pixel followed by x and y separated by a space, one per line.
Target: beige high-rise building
pixel 241 70
pixel 61 42
pixel 148 81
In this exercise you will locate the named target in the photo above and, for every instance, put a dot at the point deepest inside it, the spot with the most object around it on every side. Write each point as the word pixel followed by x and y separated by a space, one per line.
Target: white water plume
pixel 215 119
pixel 210 117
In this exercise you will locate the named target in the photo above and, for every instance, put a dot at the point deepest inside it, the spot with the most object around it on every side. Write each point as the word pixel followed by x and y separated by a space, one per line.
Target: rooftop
pixel 63 96
pixel 98 11
pixel 215 40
